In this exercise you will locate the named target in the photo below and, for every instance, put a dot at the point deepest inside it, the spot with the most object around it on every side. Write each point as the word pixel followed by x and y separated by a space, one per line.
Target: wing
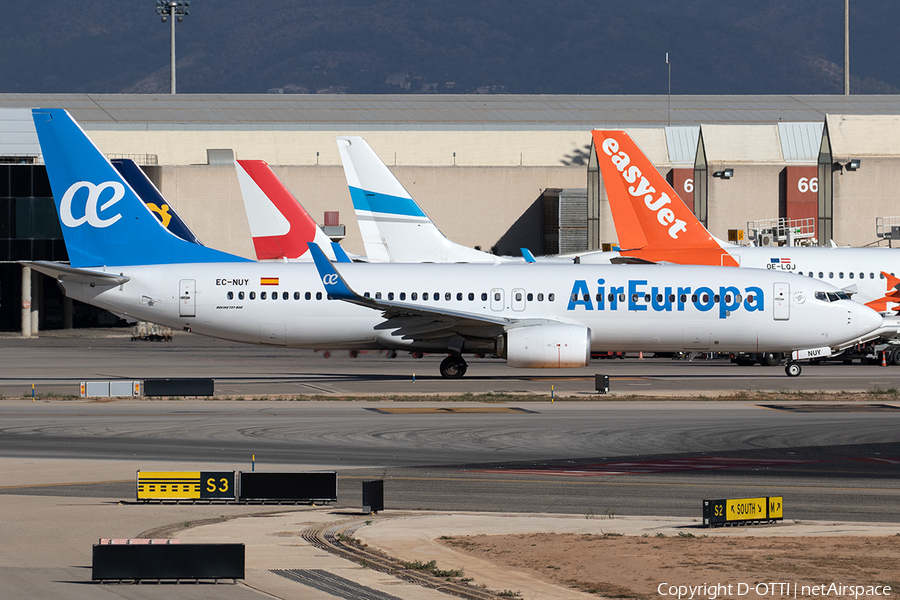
pixel 413 321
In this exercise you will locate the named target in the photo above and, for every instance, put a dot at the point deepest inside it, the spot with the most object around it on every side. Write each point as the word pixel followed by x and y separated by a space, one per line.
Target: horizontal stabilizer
pixel 65 273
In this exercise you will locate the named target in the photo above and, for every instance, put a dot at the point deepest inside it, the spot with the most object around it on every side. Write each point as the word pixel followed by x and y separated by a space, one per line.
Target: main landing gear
pixel 792 369
pixel 453 367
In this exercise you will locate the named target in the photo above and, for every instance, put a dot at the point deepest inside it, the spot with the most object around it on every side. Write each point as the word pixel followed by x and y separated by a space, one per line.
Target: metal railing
pixel 782 232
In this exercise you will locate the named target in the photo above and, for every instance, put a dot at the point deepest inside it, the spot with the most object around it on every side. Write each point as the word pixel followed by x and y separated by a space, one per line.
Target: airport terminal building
pixel 498 172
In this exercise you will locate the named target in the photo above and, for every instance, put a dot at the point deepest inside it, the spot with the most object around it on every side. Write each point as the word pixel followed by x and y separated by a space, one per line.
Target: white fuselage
pixel 626 307
pixel 840 267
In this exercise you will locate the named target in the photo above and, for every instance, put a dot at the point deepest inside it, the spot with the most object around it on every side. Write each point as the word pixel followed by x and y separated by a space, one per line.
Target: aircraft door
pixel 497 302
pixel 518 299
pixel 782 303
pixel 187 301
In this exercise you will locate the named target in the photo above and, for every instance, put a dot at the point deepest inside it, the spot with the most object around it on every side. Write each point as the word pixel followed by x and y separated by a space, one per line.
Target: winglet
pixel 339 254
pixel 527 255
pixel 331 279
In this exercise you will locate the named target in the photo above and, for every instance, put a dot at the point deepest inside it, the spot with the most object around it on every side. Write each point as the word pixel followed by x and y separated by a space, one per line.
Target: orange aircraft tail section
pixel 892 295
pixel 652 222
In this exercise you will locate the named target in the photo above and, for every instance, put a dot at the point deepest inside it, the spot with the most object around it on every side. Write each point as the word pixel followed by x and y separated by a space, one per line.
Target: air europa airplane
pixel 653 223
pixel 533 315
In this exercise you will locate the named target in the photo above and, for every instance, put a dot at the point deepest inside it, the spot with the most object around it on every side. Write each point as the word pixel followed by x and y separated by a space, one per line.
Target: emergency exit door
pixel 187 302
pixel 782 303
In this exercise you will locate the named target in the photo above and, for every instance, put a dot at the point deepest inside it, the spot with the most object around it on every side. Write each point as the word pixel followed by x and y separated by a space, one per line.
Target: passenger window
pixel 841 275
pixel 471 296
pixel 447 296
pixel 621 297
pixel 599 298
pixel 634 297
pixel 497 296
pixel 830 275
pixel 231 295
pixel 253 295
pixel 424 296
pixel 262 295
pixel 240 295
pixel 285 296
pixel 683 298
pixel 437 296
pixel 540 297
pixel 738 299
pixel 871 275
pixel 274 295
pixel 529 297
pixel 862 275
pixel 749 297
pixel 586 298
pixel 318 295
pixel 296 295
pixel 308 296
pixel 881 275
pixel 483 296
pixel 519 296
pixel 715 298
pixel 459 296
pixel 646 297
pixel 390 295
pixel 851 274
pixel 671 297
pixel 403 295
pixel 574 297
pixel 693 297
pixel 821 275
pixel 728 298
pixel 366 294
pixel 378 295
pixel 705 298
pixel 552 297
pixel 414 296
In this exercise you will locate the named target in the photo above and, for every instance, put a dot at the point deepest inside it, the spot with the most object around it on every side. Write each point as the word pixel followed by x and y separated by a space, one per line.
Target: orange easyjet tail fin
pixel 652 222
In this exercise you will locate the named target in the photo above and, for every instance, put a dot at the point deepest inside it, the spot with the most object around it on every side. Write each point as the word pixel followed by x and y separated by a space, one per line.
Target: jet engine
pixel 546 346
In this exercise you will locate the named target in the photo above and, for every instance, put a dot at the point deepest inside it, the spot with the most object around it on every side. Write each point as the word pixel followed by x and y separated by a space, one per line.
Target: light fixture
pixel 724 174
pixel 854 164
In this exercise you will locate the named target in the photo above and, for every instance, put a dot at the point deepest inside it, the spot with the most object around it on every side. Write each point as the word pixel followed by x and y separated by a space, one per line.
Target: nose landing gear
pixel 792 369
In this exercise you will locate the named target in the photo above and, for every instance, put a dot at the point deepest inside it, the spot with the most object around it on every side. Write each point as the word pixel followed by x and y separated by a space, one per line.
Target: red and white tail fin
pixel 280 226
pixel 652 222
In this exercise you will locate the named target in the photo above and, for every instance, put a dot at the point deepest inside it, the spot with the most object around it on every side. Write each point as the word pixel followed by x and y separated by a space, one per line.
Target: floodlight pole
pixel 169 10
pixel 172 51
pixel 846 47
pixel 669 95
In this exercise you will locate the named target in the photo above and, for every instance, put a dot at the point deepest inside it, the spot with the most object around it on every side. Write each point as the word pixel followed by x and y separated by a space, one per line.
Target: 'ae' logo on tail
pixel 91 214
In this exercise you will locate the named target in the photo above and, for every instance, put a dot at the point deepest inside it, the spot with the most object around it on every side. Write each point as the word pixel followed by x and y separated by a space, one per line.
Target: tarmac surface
pixel 67 465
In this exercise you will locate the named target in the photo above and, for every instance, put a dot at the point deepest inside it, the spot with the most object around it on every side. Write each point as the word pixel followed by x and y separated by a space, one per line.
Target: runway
pixel 72 461
pixel 57 363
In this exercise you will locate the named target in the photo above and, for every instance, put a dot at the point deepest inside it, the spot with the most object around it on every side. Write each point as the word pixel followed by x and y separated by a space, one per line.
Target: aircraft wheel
pixel 894 356
pixel 792 369
pixel 770 359
pixel 453 367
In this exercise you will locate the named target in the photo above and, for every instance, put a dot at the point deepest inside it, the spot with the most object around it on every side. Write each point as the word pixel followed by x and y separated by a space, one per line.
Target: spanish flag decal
pixel 268 281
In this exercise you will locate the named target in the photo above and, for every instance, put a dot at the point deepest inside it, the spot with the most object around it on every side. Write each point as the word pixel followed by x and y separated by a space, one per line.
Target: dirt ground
pixel 617 566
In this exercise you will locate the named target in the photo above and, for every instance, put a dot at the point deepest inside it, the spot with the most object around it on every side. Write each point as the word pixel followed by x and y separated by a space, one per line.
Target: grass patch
pixel 432 568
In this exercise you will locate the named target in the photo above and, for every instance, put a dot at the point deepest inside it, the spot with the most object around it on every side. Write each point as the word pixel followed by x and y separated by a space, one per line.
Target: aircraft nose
pixel 867 320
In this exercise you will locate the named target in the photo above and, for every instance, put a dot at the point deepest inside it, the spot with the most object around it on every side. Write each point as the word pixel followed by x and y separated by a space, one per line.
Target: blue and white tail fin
pixel 154 199
pixel 104 222
pixel 394 228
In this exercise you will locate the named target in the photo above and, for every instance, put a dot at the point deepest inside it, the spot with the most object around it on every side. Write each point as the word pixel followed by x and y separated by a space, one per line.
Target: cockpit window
pixel 832 297
pixel 843 295
pixel 821 296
